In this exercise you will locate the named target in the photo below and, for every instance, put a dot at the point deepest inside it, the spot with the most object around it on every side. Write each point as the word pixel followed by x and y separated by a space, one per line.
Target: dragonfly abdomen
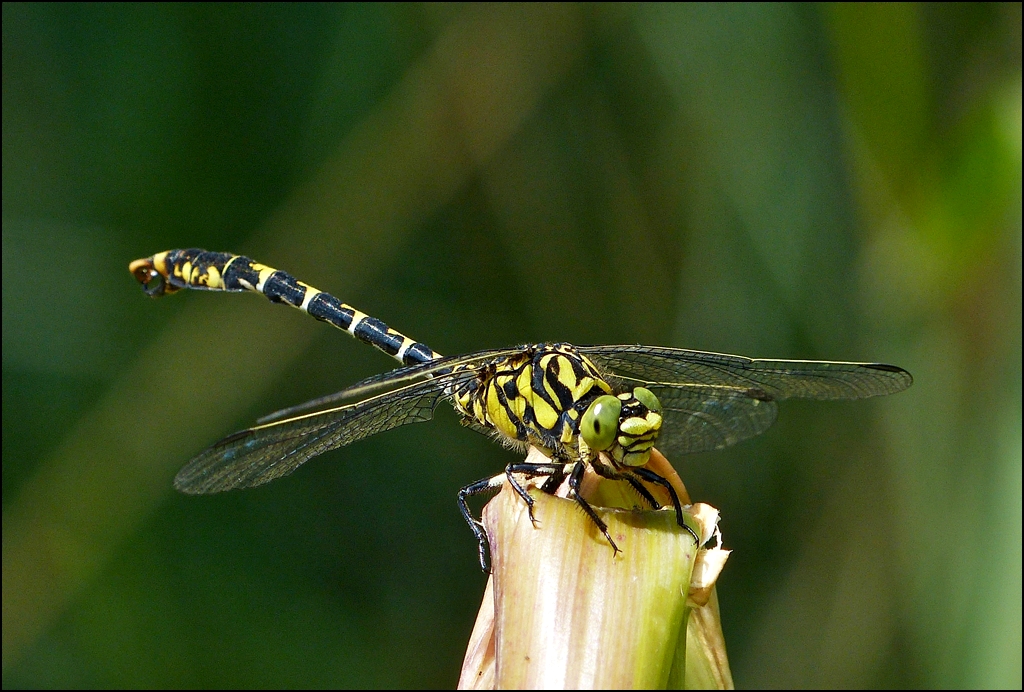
pixel 171 271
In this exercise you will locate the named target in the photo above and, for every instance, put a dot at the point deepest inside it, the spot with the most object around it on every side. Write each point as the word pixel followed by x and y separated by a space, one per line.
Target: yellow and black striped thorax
pixel 536 396
pixel 171 271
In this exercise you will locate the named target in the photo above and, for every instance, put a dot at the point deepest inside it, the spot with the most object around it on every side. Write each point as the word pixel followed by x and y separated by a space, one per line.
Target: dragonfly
pixel 584 407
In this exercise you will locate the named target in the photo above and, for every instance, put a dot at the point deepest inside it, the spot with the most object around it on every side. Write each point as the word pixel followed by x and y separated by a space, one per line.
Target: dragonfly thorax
pixel 547 396
pixel 536 396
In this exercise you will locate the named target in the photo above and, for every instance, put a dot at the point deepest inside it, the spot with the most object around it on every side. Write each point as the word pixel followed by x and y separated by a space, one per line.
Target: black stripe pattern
pixel 171 271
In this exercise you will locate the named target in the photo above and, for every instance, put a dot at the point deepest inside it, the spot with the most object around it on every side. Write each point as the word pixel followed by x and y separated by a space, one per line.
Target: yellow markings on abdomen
pixel 311 293
pixel 265 273
pixel 212 279
pixel 357 317
pixel 159 263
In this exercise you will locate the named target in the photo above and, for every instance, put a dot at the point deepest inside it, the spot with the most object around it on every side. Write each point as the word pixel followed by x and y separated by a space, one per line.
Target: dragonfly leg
pixel 632 475
pixel 575 478
pixel 477 488
pixel 492 484
pixel 531 470
pixel 643 492
pixel 554 481
pixel 611 473
pixel 652 477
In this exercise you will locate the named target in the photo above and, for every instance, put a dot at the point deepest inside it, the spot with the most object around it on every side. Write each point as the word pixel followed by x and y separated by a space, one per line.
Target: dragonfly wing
pixel 432 368
pixel 697 419
pixel 255 456
pixel 777 379
pixel 390 380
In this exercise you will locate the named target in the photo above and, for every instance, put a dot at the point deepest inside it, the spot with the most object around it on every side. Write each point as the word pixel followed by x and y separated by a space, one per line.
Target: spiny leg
pixel 575 478
pixel 652 477
pixel 630 476
pixel 477 488
pixel 554 481
pixel 610 472
pixel 493 483
pixel 643 492
pixel 532 470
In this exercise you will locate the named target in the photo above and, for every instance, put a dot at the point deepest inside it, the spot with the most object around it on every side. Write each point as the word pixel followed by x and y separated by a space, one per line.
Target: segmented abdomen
pixel 223 271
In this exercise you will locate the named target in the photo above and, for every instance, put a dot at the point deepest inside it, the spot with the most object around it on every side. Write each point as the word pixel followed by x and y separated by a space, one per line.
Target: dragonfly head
pixel 624 426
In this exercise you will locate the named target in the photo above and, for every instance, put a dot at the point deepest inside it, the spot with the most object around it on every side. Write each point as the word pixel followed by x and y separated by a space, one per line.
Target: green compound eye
pixel 646 397
pixel 601 422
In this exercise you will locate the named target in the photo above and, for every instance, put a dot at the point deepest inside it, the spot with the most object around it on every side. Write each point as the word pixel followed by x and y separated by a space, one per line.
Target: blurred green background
pixel 835 182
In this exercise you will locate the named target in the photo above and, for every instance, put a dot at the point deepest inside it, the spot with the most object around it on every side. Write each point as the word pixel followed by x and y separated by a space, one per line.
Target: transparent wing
pixel 777 379
pixel 714 400
pixel 435 367
pixel 697 420
pixel 261 454
pixel 391 379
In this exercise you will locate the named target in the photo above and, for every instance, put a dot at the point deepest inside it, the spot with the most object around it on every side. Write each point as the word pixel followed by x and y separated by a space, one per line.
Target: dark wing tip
pixel 233 437
pixel 886 367
pixel 903 379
